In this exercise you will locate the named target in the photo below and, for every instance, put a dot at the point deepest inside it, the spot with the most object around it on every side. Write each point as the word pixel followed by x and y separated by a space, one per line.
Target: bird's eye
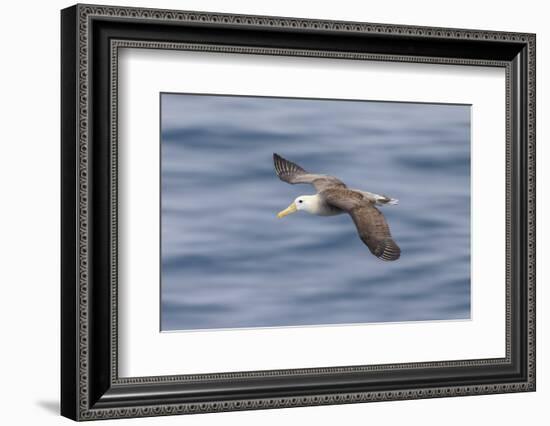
pixel 300 201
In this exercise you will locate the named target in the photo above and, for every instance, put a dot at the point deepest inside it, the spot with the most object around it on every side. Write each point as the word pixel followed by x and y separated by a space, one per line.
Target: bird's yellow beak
pixel 290 209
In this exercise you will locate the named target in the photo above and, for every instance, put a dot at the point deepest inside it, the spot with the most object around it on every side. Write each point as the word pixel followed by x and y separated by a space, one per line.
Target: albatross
pixel 334 197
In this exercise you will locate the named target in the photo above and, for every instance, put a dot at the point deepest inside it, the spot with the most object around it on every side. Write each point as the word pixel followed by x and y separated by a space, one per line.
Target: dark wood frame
pixel 90 386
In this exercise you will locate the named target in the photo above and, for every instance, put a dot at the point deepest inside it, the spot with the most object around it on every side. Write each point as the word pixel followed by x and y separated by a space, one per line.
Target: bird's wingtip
pixel 277 159
pixel 284 166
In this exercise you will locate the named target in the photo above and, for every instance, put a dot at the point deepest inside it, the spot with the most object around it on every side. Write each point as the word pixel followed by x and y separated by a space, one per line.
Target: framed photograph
pixel 263 212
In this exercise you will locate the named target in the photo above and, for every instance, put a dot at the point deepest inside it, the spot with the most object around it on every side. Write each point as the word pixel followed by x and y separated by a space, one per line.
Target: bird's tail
pixel 384 200
pixel 379 200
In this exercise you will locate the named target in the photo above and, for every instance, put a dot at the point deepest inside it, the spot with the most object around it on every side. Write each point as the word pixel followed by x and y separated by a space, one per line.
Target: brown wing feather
pixel 292 173
pixel 375 232
pixel 370 222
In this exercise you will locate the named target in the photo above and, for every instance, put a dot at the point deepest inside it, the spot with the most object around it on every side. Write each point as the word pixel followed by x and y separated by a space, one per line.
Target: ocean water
pixel 228 262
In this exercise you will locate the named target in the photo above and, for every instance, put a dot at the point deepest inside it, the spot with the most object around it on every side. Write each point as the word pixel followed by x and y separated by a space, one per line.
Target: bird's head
pixel 303 202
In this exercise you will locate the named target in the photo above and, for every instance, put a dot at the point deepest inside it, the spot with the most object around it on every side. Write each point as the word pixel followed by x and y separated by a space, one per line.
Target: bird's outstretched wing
pixel 375 232
pixel 292 173
pixel 370 222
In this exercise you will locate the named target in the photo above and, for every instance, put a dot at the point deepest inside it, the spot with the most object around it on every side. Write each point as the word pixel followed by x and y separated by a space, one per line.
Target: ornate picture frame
pixel 91 37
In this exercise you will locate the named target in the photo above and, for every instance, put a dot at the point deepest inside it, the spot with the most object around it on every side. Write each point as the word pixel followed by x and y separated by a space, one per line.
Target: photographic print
pixel 377 227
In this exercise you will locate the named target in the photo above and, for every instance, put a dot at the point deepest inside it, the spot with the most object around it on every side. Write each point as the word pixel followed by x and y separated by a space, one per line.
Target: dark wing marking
pixel 292 173
pixel 370 222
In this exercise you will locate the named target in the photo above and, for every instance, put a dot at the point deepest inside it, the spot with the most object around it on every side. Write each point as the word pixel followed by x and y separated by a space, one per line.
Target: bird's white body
pixel 314 204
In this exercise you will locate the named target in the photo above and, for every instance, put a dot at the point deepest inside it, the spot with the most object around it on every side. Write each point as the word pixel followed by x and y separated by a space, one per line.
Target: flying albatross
pixel 334 197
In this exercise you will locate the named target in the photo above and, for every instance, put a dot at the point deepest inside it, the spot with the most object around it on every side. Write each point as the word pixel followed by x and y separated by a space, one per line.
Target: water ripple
pixel 228 262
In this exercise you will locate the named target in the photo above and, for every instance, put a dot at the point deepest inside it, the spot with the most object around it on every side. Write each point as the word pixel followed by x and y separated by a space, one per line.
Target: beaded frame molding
pixel 91 38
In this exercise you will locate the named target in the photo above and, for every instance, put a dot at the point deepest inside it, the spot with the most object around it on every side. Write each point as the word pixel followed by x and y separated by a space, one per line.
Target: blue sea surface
pixel 228 262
